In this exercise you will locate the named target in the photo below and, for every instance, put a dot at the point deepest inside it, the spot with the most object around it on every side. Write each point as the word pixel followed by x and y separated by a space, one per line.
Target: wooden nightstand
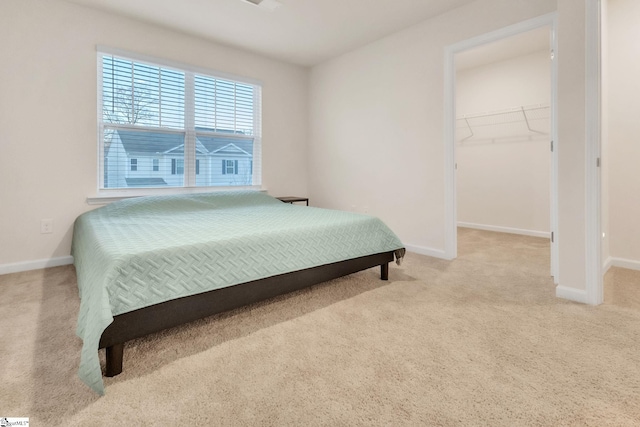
pixel 293 199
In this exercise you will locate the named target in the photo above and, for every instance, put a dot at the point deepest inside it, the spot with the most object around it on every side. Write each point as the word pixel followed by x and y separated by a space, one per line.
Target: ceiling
pixel 304 32
pixel 518 45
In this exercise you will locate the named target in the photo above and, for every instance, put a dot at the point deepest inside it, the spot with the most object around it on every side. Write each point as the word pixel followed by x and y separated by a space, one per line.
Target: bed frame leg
pixel 114 360
pixel 384 271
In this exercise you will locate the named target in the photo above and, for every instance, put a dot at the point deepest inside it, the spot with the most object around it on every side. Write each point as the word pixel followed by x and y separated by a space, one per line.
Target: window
pixel 177 166
pixel 153 113
pixel 230 167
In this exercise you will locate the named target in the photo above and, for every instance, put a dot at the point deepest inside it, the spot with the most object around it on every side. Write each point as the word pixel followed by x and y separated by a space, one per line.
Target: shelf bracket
pixel 526 120
pixel 470 130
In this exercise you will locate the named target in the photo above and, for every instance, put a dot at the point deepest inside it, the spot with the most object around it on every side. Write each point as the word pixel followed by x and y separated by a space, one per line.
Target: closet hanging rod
pixel 526 115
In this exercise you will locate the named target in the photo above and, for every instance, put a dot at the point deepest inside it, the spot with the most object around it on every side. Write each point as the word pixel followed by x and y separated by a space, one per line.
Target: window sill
pixel 105 197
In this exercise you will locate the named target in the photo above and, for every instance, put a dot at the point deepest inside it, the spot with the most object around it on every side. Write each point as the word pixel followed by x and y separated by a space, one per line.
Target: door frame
pixel 451 215
pixel 594 286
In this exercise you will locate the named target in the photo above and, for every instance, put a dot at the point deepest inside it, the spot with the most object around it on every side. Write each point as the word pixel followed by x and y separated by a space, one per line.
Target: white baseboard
pixel 35 264
pixel 572 294
pixel 422 250
pixel 624 263
pixel 608 263
pixel 533 233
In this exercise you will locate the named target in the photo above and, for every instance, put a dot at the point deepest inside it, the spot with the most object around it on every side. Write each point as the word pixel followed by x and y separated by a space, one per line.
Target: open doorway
pixel 503 135
pixel 500 97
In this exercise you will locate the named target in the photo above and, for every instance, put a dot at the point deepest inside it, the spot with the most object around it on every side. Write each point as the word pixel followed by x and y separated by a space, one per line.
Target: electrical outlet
pixel 46 226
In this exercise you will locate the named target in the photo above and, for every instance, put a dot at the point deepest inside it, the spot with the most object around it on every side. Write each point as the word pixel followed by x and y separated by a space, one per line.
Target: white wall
pixel 386 100
pixel 48 133
pixel 622 110
pixel 504 183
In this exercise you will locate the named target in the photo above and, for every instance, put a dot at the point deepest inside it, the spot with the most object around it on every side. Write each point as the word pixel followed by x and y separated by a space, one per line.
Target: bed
pixel 150 263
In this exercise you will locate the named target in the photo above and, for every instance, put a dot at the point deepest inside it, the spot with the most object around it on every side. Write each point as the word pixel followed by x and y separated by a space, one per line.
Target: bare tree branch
pixel 129 107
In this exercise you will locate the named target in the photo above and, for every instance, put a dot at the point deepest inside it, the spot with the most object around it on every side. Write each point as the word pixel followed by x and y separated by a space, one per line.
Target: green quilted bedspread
pixel 138 252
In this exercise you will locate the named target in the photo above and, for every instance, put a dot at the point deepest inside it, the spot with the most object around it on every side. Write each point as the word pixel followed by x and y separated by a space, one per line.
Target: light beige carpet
pixel 480 341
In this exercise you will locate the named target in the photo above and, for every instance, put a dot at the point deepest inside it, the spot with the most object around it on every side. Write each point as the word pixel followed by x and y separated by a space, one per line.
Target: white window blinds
pixel 170 126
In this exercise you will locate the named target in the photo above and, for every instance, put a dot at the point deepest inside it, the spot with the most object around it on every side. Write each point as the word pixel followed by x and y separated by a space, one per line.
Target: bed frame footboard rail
pixel 176 312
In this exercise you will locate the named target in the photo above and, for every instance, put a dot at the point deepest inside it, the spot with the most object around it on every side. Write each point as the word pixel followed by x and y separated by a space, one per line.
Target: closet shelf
pixel 530 120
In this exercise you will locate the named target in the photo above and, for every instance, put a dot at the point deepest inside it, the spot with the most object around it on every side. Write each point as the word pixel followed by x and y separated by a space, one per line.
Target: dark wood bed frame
pixel 176 312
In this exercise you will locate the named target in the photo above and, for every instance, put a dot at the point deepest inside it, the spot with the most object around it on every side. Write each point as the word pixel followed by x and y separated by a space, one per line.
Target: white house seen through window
pixel 172 126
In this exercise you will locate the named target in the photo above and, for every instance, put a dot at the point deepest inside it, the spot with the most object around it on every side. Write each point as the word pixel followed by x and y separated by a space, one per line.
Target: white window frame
pixel 105 195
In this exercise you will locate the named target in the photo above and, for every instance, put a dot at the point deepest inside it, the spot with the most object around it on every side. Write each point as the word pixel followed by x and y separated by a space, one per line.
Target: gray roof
pixel 213 144
pixel 155 143
pixel 145 182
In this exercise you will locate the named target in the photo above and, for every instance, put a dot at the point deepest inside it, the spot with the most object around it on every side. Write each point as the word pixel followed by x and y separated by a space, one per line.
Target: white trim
pixel 572 294
pixel 99 124
pixel 422 250
pixel 607 265
pixel 115 195
pixel 450 203
pixel 593 242
pixel 450 211
pixel 554 213
pixel 18 267
pixel 188 129
pixel 630 264
pixel 105 200
pixel 499 229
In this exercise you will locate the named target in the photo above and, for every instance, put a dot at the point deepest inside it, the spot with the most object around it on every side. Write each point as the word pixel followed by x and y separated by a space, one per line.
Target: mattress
pixel 138 252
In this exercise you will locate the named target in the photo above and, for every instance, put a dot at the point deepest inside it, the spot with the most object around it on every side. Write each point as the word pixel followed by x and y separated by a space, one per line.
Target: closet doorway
pixel 503 127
